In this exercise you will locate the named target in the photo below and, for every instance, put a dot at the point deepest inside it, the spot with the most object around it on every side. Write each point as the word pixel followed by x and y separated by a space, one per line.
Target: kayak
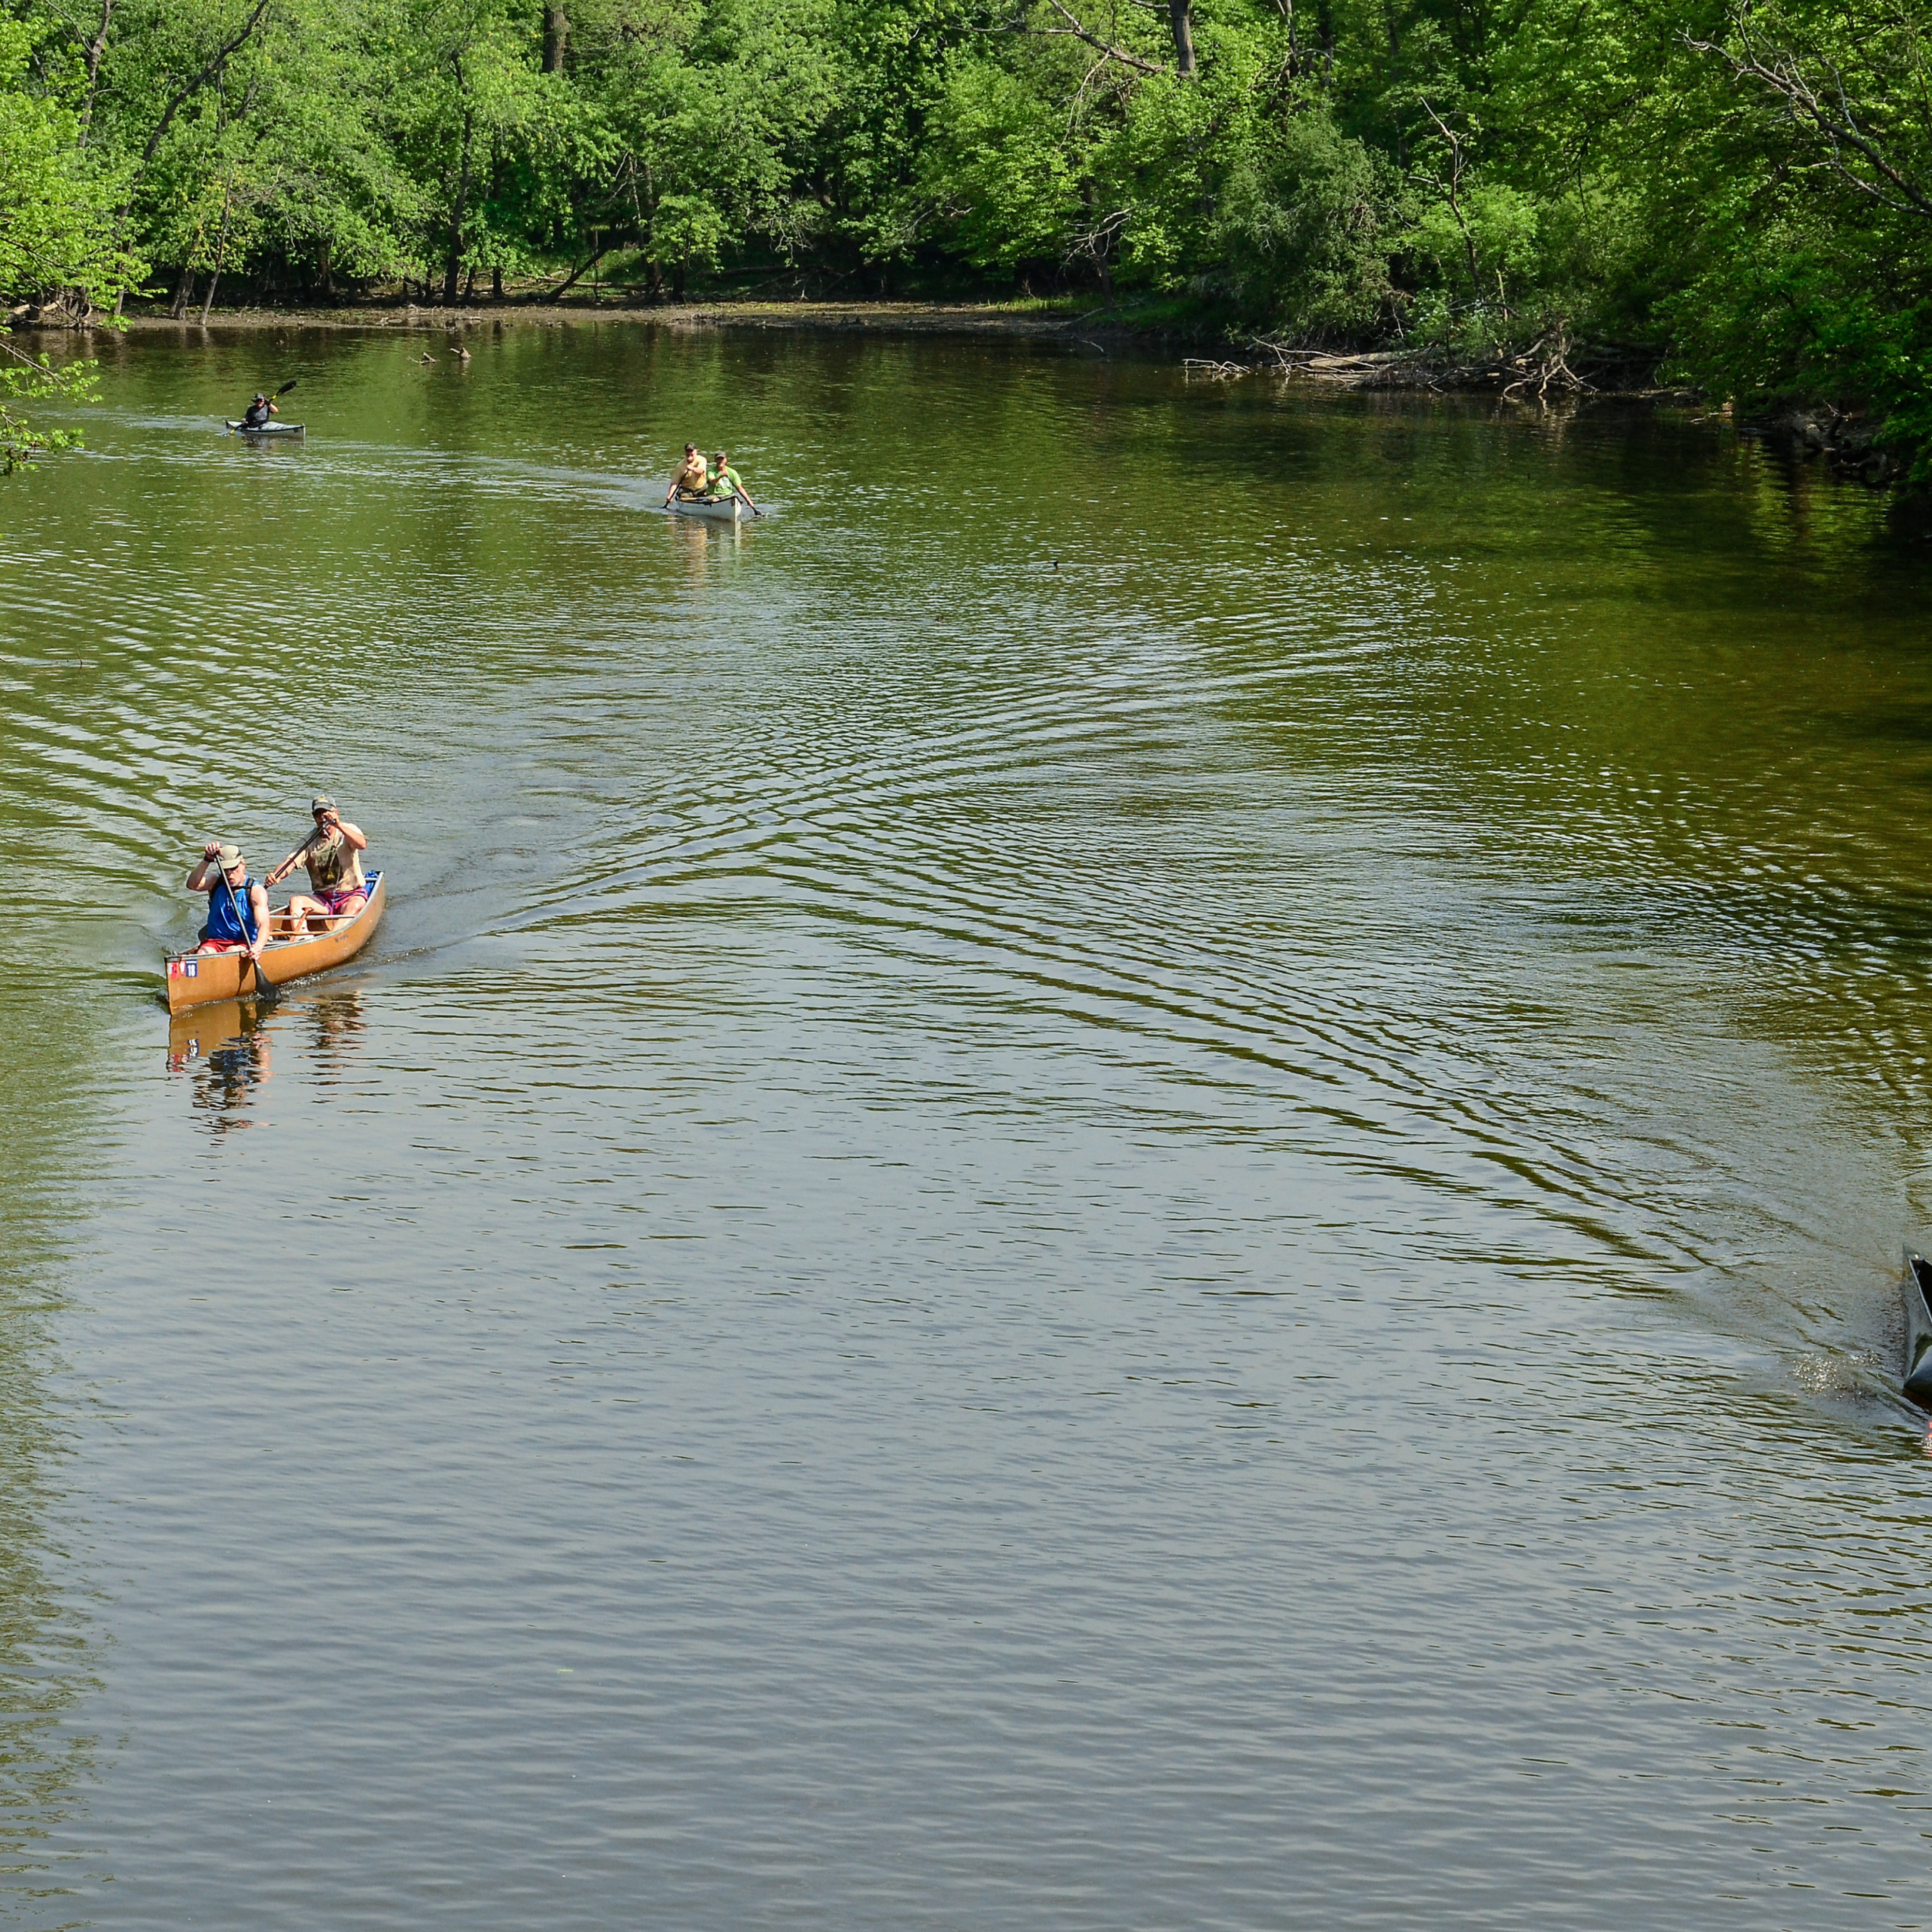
pixel 194 978
pixel 265 429
pixel 1914 1289
pixel 724 509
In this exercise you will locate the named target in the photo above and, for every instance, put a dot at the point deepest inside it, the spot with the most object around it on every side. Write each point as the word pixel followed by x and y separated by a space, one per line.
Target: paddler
pixel 333 853
pixel 238 908
pixel 258 412
pixel 691 479
pixel 725 482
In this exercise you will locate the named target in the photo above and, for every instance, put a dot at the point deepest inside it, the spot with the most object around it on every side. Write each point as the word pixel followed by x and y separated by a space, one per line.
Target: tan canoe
pixel 194 978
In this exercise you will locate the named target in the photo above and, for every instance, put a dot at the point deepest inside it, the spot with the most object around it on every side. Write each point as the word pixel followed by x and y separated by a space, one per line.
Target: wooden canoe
pixel 1914 1291
pixel 194 978
pixel 722 509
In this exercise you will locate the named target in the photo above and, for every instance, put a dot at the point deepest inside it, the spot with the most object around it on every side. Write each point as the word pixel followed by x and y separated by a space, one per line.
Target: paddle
pixel 264 989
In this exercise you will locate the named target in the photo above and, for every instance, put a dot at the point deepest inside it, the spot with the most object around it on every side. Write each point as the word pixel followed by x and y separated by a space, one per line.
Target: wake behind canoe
pixel 194 978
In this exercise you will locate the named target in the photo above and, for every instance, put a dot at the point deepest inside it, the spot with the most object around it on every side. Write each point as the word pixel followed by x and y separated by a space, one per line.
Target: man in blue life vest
pixel 238 908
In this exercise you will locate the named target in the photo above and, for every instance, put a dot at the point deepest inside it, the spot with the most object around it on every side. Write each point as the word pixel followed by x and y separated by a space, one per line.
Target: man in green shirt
pixel 725 481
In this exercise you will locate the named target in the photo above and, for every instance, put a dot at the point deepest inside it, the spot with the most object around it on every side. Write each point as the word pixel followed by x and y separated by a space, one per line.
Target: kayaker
pixel 223 875
pixel 333 853
pixel 259 411
pixel 690 480
pixel 723 481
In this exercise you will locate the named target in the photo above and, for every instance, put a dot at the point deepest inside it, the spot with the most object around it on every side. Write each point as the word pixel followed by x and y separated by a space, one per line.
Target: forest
pixel 1736 194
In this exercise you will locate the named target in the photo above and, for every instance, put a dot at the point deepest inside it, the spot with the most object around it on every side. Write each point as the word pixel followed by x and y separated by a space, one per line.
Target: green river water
pixel 1146 1171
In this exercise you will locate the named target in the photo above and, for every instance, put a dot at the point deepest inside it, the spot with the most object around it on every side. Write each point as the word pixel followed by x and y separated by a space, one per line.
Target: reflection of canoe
pixel 195 1034
pixel 1916 1286
pixel 724 509
pixel 265 429
pixel 195 979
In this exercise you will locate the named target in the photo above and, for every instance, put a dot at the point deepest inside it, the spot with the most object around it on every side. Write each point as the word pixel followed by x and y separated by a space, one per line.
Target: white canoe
pixel 265 429
pixel 724 510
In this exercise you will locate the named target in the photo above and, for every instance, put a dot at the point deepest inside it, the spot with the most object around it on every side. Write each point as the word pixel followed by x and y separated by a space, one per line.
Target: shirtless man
pixel 333 853
pixel 690 479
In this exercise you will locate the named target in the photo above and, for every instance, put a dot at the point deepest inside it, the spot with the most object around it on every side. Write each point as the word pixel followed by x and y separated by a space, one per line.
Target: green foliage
pixel 1303 232
pixel 998 170
pixel 25 378
pixel 57 230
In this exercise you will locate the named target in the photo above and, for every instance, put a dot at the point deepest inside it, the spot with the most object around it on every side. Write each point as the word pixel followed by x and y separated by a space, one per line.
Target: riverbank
pixel 1038 321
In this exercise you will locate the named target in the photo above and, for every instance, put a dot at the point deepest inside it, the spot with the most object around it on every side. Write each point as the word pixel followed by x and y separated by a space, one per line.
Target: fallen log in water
pixel 1553 365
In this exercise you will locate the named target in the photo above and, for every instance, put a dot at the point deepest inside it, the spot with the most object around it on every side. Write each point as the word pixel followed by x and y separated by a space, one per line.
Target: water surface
pixel 1146 1171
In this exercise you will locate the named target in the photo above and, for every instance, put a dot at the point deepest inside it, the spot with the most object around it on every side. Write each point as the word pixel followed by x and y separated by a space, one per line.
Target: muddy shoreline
pixel 907 318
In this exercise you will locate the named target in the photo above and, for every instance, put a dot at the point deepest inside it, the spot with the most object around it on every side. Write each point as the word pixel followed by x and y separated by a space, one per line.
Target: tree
pixel 58 233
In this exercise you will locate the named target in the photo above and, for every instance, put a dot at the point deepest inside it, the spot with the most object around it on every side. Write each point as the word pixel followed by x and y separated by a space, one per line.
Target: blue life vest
pixel 221 911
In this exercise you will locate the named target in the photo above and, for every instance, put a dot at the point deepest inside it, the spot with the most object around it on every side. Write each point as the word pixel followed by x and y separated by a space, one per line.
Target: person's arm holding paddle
pixel 294 859
pixel 352 835
pixel 258 901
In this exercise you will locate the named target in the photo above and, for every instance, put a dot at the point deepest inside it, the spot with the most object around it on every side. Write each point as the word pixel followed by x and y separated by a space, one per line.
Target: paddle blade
pixel 265 990
pixel 288 386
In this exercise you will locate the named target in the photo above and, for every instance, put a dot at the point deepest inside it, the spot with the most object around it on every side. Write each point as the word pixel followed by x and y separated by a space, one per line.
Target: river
pixel 1145 1172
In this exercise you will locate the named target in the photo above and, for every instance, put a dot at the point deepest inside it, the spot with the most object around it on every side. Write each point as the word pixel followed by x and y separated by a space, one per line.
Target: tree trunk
pixel 184 294
pixel 556 38
pixel 469 286
pixel 325 270
pixel 1181 13
pixel 454 263
pixel 96 48
pixel 220 251
pixel 496 283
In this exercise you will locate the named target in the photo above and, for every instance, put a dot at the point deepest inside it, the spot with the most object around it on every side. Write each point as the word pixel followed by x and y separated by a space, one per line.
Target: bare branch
pixel 1077 29
pixel 1837 125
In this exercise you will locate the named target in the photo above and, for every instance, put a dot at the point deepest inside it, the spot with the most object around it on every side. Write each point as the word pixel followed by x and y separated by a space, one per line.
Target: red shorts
pixel 344 898
pixel 222 946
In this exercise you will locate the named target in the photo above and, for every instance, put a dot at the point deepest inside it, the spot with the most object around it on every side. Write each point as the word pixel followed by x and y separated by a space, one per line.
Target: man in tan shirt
pixel 689 480
pixel 333 853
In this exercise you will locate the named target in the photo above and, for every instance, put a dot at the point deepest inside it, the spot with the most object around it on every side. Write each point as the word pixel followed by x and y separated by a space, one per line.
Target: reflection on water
pixel 985 1241
pixel 334 1024
pixel 704 546
pixel 224 1049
